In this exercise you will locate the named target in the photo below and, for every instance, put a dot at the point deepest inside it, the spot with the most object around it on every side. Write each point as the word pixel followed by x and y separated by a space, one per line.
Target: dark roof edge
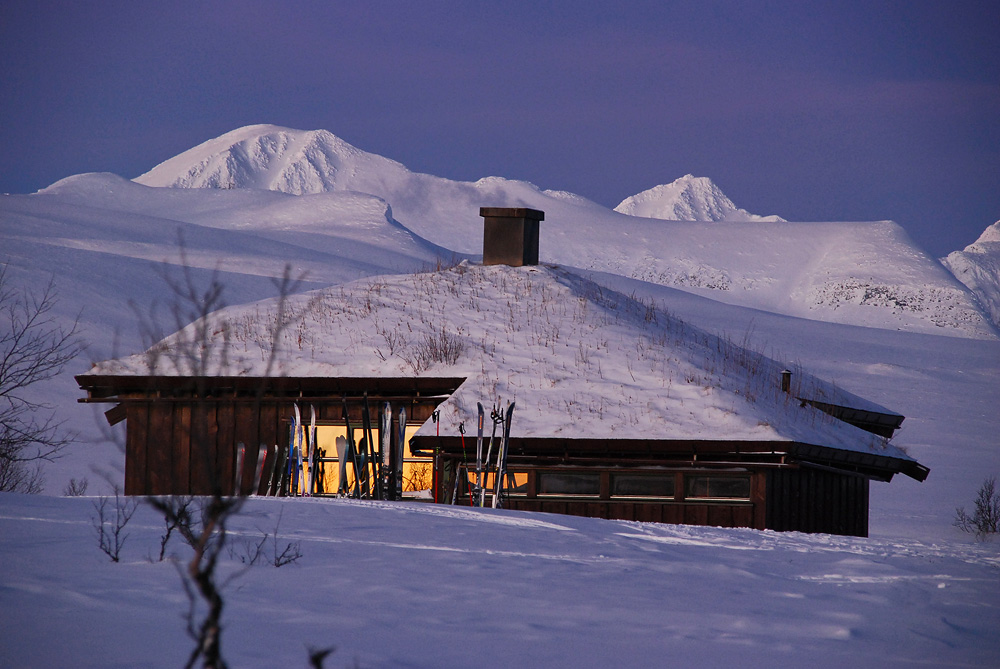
pixel 108 387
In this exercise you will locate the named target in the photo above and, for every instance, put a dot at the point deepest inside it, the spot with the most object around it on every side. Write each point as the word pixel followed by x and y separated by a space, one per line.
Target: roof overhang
pixel 681 452
pixel 876 422
pixel 115 388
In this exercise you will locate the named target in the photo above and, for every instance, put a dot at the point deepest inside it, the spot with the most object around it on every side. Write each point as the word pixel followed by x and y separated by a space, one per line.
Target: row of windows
pixel 658 485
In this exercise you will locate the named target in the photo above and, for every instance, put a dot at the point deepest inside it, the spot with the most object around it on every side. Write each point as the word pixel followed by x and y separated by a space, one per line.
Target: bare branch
pixel 34 347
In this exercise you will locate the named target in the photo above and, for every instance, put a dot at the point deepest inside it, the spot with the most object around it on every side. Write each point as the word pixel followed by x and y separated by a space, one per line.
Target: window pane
pixel 570 483
pixel 642 485
pixel 725 487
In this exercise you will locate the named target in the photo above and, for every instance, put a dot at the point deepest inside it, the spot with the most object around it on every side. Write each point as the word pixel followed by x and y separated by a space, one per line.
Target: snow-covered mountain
pixel 309 162
pixel 689 198
pixel 268 157
pixel 865 273
pixel 978 267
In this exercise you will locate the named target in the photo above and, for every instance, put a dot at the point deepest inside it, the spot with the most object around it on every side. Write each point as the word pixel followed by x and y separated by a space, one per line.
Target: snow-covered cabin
pixel 621 409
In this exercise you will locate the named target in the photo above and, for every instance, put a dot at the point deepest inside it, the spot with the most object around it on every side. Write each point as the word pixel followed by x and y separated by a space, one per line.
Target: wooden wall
pixel 717 514
pixel 815 500
pixel 178 447
pixel 802 499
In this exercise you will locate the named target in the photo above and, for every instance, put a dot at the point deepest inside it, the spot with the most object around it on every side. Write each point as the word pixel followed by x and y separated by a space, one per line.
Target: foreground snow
pixel 417 585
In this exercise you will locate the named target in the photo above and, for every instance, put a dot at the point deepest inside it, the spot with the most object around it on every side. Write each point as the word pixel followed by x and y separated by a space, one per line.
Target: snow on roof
pixel 578 359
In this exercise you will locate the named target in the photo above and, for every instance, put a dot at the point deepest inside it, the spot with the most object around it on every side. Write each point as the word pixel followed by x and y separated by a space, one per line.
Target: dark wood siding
pixel 715 514
pixel 602 504
pixel 159 451
pixel 179 446
pixel 136 438
pixel 805 499
pixel 815 500
pixel 225 437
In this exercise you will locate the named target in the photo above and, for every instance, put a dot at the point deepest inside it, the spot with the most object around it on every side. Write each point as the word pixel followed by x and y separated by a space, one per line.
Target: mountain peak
pixel 266 157
pixel 990 234
pixel 689 198
pixel 978 267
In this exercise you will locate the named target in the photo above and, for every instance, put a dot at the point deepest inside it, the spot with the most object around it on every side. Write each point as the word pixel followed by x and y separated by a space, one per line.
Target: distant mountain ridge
pixel 978 267
pixel 299 162
pixel 868 274
pixel 689 198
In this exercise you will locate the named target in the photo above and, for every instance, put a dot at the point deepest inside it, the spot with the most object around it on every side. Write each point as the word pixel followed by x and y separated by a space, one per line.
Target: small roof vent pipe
pixel 510 235
pixel 786 380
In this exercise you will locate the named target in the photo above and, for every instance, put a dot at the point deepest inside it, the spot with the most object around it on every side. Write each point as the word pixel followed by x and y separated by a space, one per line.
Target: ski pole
pixel 465 461
pixel 435 483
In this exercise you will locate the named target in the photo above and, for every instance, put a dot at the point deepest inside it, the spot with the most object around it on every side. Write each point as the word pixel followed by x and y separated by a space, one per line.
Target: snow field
pixel 417 585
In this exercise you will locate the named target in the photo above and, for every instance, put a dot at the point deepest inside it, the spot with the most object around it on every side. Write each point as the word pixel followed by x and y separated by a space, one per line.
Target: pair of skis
pixel 392 458
pixel 267 458
pixel 501 478
pixel 302 455
pixel 378 467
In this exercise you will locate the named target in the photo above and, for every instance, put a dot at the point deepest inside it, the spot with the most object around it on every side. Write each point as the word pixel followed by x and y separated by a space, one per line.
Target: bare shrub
pixel 199 349
pixel 985 520
pixel 111 534
pixel 250 551
pixel 439 346
pixel 182 514
pixel 33 348
pixel 76 488
pixel 394 339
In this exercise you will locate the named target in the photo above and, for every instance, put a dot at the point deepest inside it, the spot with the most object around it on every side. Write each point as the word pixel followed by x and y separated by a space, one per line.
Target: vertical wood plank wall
pixel 813 500
pixel 714 514
pixel 178 448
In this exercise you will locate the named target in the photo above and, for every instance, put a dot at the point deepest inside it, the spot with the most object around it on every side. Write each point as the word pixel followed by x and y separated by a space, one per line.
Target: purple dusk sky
pixel 826 110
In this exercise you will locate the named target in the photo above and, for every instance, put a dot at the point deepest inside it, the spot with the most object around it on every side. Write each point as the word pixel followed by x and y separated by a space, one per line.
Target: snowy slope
pixel 105 230
pixel 689 198
pixel 978 267
pixel 870 274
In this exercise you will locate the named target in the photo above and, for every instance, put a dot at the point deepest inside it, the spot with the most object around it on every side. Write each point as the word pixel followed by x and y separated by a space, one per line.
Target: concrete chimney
pixel 510 235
